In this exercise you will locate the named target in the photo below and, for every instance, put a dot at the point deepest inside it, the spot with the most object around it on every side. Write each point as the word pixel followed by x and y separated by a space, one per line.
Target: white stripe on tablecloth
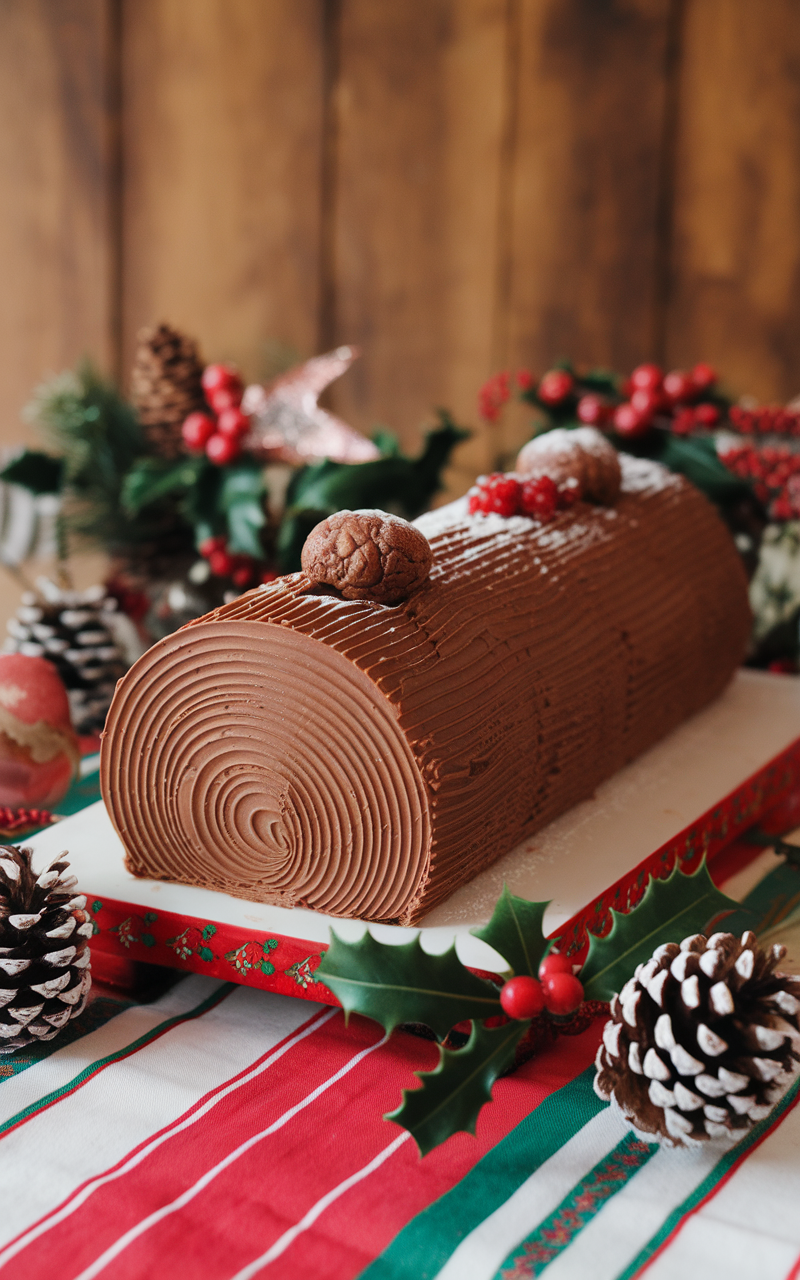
pixel 632 1216
pixel 59 1068
pixel 169 1132
pixel 189 1194
pixel 282 1243
pixel 52 1154
pixel 481 1252
pixel 750 1230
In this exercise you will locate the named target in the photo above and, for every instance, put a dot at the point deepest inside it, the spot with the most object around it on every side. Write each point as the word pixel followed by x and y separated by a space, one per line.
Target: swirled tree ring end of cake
pixel 249 758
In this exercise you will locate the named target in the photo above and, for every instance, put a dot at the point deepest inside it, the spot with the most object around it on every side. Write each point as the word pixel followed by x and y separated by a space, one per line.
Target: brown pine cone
pixel 581 456
pixel 702 1040
pixel 166 387
pixel 44 958
pixel 367 555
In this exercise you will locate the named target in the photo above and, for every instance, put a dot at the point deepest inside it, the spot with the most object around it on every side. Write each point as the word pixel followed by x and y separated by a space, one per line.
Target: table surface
pixel 216 1131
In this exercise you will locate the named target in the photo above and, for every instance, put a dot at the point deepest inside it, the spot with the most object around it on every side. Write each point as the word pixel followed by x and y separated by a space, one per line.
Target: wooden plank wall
pixel 456 185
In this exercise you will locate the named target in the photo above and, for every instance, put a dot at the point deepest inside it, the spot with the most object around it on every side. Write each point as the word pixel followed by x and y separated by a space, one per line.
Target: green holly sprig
pixel 396 985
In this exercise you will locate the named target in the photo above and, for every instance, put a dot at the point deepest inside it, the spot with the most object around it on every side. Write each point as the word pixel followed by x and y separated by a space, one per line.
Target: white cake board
pixel 570 862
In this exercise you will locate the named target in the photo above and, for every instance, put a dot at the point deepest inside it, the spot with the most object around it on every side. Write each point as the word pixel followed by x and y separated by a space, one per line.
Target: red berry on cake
pixel 555 386
pixel 703 376
pixel 593 410
pixel 647 377
pixel 563 993
pixel 679 386
pixel 683 423
pixel 630 421
pixel 554 962
pixel 222 449
pixel 539 497
pixel 522 997
pixel 233 423
pixel 197 430
pixel 496 493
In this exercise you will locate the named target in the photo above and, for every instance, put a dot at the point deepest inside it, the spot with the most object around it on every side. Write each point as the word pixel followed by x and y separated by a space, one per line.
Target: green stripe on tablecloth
pixel 96 1014
pixel 556 1232
pixel 81 1078
pixel 422 1248
pixel 720 1171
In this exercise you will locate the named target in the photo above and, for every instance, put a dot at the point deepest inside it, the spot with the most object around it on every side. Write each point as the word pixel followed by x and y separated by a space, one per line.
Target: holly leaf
pixel 453 1094
pixel 405 984
pixel 37 472
pixel 696 458
pixel 151 479
pixel 515 930
pixel 670 910
pixel 241 499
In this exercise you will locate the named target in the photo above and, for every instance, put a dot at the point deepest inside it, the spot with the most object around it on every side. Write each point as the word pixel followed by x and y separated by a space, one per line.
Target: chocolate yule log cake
pixel 364 736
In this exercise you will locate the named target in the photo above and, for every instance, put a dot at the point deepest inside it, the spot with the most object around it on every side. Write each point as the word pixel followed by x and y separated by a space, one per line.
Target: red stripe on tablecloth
pixel 272 1186
pixel 251 1204
pixel 88 1190
pixel 795 1271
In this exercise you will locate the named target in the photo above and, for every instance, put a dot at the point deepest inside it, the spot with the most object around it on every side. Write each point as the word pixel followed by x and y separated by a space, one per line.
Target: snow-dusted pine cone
pixel 165 386
pixel 702 1040
pixel 44 959
pixel 73 630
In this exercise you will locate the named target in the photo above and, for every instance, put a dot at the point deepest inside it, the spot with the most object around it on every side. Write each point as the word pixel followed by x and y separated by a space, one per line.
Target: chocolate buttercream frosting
pixel 366 759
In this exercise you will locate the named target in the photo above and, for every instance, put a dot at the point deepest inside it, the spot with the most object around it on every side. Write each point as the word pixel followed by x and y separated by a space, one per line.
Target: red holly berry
pixel 683 422
pixel 568 494
pixel 269 575
pixel 222 449
pixel 593 410
pixel 563 993
pixel 707 415
pixel 209 545
pixel 647 377
pixel 243 575
pixel 524 379
pixel 678 385
pixel 539 497
pixel 703 376
pixel 221 563
pixel 216 376
pixel 197 430
pixel 522 997
pixel 495 493
pixel 554 962
pixel 648 401
pixel 493 395
pixel 555 386
pixel 225 398
pixel 234 423
pixel 629 421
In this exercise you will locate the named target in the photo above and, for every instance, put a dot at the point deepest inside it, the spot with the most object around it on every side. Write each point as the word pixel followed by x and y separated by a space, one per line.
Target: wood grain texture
pixel 735 278
pixel 55 160
pixel 419 125
pixel 580 245
pixel 222 154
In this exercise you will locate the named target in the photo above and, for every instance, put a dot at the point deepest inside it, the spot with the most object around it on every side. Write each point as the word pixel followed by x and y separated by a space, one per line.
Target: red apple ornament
pixel 39 753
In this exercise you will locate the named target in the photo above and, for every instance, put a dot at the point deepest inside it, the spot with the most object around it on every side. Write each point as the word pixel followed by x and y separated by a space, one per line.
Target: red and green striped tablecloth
pixel 218 1132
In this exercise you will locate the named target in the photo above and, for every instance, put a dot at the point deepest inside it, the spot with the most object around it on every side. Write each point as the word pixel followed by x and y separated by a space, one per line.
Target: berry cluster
pixel 220 436
pixel 672 397
pixel 242 570
pixel 18 821
pixel 509 495
pixel 773 471
pixel 765 421
pixel 496 392
pixel 557 990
